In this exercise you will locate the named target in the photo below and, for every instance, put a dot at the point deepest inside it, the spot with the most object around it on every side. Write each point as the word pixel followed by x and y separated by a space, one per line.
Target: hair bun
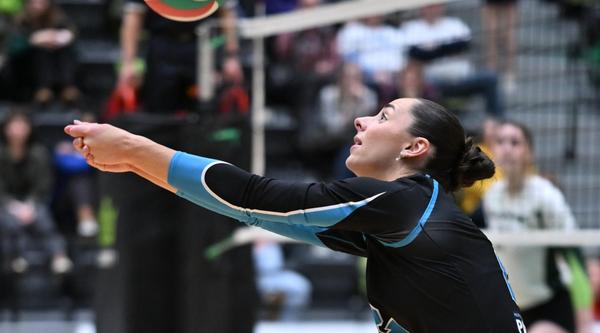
pixel 473 166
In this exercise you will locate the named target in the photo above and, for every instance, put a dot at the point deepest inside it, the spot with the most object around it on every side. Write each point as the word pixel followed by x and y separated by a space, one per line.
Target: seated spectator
pixel 437 54
pixel 500 20
pixel 276 284
pixel 523 201
pixel 43 34
pixel 232 93
pixel 279 6
pixel 310 57
pixel 339 104
pixel 377 49
pixel 25 185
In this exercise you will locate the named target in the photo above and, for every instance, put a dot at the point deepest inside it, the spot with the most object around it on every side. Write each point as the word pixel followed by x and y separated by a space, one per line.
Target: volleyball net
pixel 557 95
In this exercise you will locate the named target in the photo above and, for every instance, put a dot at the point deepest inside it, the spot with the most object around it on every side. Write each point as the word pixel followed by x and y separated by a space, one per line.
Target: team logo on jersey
pixel 184 10
pixel 386 326
pixel 520 324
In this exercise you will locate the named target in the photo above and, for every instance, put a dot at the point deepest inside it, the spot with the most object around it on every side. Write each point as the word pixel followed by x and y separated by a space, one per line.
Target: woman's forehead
pixel 402 105
pixel 510 130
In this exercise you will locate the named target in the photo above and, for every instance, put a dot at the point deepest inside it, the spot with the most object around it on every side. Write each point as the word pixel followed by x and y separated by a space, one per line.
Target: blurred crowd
pixel 323 78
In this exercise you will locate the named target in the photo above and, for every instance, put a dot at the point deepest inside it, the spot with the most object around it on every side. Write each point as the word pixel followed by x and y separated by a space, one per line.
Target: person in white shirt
pixel 377 49
pixel 338 105
pixel 521 201
pixel 273 279
pixel 437 50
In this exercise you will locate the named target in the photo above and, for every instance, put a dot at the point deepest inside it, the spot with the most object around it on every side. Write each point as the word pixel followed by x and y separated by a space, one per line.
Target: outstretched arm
pixel 111 149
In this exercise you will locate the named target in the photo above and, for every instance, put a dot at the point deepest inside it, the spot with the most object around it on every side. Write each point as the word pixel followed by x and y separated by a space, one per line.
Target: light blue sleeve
pixel 306 234
pixel 186 173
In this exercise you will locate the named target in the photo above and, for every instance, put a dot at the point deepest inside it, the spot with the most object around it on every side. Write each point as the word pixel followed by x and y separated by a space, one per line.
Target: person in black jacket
pixel 25 187
pixel 439 64
pixel 45 35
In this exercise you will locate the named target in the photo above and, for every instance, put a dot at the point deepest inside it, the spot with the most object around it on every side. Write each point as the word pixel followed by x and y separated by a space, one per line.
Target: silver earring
pixel 398 158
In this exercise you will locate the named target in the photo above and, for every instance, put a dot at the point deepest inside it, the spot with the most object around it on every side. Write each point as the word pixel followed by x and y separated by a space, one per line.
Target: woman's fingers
pixel 89 158
pixel 79 129
pixel 78 143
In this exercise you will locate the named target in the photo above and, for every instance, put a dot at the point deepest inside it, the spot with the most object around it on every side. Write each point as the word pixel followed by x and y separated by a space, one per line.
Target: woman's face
pixel 17 130
pixel 37 7
pixel 511 150
pixel 380 138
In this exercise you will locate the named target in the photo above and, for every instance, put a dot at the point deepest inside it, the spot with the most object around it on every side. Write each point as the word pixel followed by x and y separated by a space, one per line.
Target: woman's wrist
pixel 148 156
pixel 136 149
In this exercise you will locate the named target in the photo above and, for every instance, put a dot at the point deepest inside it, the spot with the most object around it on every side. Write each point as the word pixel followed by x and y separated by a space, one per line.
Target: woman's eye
pixel 383 116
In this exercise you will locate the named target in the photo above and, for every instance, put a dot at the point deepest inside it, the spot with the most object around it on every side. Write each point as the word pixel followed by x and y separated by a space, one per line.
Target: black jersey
pixel 429 268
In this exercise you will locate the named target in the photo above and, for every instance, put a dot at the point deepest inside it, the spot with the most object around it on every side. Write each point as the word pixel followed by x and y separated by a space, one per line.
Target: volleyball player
pixel 429 269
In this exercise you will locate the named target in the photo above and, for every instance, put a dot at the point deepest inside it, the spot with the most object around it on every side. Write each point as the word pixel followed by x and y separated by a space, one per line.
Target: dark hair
pixel 17 113
pixel 53 17
pixel 523 128
pixel 456 162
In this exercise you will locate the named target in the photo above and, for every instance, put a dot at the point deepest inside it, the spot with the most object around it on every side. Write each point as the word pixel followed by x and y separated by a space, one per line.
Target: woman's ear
pixel 419 147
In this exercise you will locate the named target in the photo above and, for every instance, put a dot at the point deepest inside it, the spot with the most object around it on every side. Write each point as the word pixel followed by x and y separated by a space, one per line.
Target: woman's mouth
pixel 357 142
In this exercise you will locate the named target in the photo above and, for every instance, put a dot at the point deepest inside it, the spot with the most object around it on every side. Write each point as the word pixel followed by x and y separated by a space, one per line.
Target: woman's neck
pixel 515 183
pixel 393 174
pixel 16 151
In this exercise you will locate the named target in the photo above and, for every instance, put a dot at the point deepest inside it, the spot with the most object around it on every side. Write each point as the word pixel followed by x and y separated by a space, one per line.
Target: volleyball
pixel 184 10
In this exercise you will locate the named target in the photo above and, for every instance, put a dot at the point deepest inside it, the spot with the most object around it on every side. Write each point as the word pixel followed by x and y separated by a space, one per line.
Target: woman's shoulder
pixel 422 182
pixel 377 185
pixel 539 183
pixel 542 188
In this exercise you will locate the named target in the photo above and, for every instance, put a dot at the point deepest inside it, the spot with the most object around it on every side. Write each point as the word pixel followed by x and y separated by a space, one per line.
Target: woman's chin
pixel 353 166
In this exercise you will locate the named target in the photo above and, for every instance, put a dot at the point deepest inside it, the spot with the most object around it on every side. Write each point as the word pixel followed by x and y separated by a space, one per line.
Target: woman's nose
pixel 360 124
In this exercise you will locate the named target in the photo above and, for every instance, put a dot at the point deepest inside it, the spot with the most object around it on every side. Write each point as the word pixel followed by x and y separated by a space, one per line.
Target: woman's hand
pixel 43 38
pixel 23 211
pixel 105 147
pixel 112 149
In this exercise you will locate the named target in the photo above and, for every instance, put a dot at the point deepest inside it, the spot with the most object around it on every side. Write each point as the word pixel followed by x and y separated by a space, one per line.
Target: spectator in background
pixel 437 50
pixel 378 50
pixel 277 284
pixel 25 185
pixel 171 58
pixel 525 201
pixel 279 6
pixel 339 104
pixel 43 34
pixel 311 59
pixel 171 62
pixel 499 18
pixel 232 94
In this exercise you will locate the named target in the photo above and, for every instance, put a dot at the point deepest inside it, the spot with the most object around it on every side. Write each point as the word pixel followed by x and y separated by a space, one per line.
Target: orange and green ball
pixel 184 10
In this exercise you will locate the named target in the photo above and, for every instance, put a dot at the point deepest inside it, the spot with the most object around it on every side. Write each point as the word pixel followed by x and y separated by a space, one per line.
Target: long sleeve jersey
pixel 430 269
